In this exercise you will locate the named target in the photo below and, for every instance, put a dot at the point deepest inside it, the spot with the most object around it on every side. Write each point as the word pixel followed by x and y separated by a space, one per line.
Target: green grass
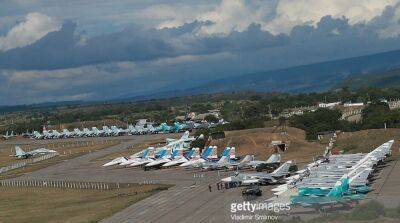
pixel 36 205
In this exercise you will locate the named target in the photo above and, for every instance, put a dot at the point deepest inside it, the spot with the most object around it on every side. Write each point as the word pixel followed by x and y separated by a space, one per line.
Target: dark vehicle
pixel 253 190
pixel 269 167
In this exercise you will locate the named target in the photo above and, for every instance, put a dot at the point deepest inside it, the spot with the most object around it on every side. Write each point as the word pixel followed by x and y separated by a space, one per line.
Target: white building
pixel 349 104
pixel 328 105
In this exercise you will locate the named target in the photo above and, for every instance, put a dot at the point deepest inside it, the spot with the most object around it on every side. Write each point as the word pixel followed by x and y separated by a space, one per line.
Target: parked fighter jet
pixel 184 140
pixel 226 163
pixel 164 128
pixel 66 133
pixel 107 131
pixel 77 133
pixel 150 157
pixel 165 157
pixel 21 154
pixel 37 135
pixel 223 162
pixel 96 132
pixel 115 131
pixel 337 195
pixel 272 163
pixel 209 153
pixel 261 178
pixel 131 130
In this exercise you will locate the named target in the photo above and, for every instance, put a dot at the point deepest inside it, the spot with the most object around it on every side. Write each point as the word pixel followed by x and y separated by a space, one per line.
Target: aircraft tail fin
pixel 214 153
pixel 223 159
pixel 151 153
pixel 191 153
pixel 340 187
pixel 185 135
pixel 145 153
pixel 274 158
pixel 328 152
pixel 247 159
pixel 283 169
pixel 163 153
pixel 226 151
pixel 207 152
pixel 178 153
pixel 232 153
pixel 195 152
pixel 19 151
pixel 210 153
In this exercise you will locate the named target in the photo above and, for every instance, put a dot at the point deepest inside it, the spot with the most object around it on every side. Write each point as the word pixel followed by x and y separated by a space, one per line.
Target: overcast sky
pixel 53 50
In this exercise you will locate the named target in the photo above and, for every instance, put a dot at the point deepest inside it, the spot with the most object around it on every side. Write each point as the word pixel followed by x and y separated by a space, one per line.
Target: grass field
pixel 65 153
pixel 367 140
pixel 24 204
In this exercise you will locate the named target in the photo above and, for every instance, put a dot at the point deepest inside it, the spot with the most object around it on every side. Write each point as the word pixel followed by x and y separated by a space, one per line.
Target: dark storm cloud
pixel 66 48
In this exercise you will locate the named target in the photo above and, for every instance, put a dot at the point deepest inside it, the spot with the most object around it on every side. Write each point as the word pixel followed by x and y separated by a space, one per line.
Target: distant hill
pixel 301 79
pixel 379 80
pixel 45 105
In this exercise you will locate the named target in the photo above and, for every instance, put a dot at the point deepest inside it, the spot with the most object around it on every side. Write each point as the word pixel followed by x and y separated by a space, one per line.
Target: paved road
pixel 386 189
pixel 185 204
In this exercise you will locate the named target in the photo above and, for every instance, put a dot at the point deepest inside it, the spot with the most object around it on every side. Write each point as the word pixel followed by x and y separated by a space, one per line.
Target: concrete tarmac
pixel 190 199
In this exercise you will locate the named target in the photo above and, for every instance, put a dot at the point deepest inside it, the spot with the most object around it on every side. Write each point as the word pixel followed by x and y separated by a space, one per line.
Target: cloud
pixel 290 13
pixel 182 44
pixel 276 17
pixel 33 28
pixel 83 83
pixel 64 49
pixel 234 15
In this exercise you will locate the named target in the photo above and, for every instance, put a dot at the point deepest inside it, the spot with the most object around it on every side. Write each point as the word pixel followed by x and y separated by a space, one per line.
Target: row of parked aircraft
pixel 8 135
pixel 116 131
pixel 335 179
pixel 176 153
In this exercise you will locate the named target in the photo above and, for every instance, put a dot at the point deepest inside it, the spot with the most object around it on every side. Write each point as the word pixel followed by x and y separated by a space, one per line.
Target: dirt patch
pixel 258 142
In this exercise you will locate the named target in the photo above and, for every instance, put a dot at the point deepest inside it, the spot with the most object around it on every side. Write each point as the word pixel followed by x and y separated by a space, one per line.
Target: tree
pixel 211 118
pixel 375 115
pixel 321 120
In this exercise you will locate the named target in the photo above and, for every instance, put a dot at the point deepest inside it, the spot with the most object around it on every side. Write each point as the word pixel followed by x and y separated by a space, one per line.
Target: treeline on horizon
pixel 242 110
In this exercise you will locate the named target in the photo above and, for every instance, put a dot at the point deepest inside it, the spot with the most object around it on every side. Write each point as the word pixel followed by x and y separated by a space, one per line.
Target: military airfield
pixel 188 190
